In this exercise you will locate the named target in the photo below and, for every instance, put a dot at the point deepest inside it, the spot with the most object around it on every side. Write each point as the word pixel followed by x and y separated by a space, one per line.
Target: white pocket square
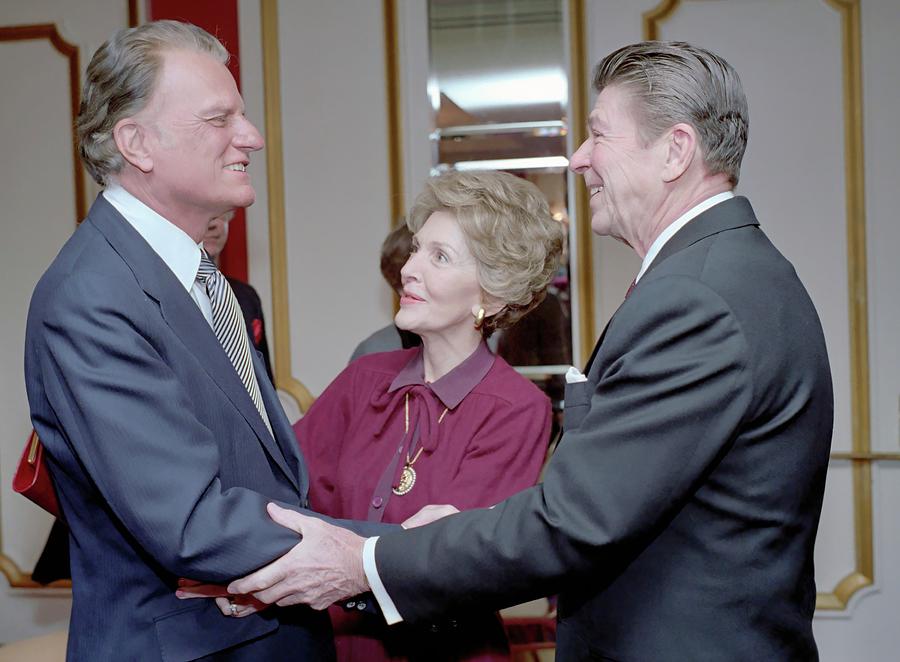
pixel 574 375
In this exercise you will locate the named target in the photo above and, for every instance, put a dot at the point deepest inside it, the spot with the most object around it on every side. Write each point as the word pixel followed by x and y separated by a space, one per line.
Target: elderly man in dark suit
pixel 164 437
pixel 678 515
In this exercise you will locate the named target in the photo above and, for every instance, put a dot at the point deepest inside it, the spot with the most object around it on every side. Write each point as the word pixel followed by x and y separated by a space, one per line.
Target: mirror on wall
pixel 498 87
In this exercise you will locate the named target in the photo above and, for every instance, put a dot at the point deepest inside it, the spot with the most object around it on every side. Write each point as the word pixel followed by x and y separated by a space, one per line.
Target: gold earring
pixel 479 318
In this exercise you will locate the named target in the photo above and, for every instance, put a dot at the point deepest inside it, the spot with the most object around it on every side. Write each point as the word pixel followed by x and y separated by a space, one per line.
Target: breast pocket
pixel 577 403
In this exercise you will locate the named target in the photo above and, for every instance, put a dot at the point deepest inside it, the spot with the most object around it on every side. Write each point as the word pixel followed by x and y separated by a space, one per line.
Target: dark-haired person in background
pixel 395 250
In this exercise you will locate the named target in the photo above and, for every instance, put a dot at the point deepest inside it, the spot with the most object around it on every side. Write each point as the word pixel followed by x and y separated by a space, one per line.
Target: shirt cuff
pixel 391 615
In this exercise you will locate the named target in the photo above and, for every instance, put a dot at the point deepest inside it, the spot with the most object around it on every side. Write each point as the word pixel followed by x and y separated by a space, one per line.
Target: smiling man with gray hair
pixel 164 437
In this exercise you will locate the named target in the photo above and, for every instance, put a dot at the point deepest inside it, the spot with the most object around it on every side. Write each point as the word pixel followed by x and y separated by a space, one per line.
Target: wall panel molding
pixel 69 51
pixel 17 577
pixel 281 315
pixel 394 113
pixel 578 93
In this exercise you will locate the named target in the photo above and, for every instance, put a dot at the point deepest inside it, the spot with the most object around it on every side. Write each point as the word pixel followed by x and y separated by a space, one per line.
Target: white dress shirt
pixel 171 243
pixel 679 223
pixel 388 608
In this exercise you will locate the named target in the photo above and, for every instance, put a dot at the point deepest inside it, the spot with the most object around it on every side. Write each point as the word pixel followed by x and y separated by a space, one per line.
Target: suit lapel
pixel 727 215
pixel 590 362
pixel 183 316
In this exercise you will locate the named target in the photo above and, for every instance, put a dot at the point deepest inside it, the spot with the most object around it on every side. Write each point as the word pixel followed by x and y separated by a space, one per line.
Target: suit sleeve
pixel 672 386
pixel 129 421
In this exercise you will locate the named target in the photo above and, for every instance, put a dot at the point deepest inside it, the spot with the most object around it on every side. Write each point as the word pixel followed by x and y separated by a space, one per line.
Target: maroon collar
pixel 456 384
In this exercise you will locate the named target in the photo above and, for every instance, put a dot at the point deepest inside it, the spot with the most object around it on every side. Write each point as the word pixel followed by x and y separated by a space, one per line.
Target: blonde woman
pixel 448 422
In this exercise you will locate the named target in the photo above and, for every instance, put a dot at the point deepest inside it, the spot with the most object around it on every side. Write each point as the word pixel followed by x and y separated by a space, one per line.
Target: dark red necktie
pixel 630 287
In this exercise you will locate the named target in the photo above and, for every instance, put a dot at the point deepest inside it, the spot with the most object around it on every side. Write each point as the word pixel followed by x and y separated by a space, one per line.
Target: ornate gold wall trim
pixel 16 576
pixel 19 579
pixel 653 18
pixel 867 457
pixel 70 52
pixel 394 113
pixel 394 120
pixel 858 290
pixel 281 316
pixel 578 93
pixel 863 574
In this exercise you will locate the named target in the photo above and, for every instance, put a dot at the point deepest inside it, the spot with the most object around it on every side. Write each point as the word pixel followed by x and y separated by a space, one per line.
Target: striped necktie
pixel 228 325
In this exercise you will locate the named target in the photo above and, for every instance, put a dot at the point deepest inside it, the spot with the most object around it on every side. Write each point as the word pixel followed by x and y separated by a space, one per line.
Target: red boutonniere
pixel 256 324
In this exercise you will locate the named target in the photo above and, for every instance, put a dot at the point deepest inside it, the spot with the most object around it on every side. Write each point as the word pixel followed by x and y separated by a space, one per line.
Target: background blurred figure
pixel 395 251
pixel 251 307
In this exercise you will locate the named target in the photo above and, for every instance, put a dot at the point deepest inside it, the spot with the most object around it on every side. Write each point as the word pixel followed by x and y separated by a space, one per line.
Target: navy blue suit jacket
pixel 162 463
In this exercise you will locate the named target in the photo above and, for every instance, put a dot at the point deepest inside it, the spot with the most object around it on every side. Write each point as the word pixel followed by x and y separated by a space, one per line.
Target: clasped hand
pixel 324 567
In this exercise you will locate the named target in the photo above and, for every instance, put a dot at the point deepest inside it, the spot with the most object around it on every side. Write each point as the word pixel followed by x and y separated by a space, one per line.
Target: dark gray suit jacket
pixel 678 515
pixel 162 463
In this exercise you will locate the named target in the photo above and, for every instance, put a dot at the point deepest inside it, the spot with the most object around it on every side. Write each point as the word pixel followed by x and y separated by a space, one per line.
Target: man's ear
pixel 680 149
pixel 132 140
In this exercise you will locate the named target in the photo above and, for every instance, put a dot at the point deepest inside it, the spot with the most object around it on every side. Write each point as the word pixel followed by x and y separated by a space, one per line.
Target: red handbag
pixel 32 477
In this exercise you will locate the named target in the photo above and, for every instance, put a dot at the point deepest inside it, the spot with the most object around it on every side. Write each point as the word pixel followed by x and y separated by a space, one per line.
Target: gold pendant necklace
pixel 408 475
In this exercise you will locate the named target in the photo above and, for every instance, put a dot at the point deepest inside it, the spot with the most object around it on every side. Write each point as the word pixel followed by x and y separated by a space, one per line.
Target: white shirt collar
pixel 171 243
pixel 679 223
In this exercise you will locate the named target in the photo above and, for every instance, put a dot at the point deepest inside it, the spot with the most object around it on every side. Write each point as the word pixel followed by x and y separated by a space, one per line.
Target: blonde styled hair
pixel 507 226
pixel 121 79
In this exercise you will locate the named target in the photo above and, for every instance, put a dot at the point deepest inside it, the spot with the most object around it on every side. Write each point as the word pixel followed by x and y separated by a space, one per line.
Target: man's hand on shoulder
pixel 324 567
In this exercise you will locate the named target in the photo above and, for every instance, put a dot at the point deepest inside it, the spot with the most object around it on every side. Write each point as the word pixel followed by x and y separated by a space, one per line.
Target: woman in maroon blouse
pixel 447 422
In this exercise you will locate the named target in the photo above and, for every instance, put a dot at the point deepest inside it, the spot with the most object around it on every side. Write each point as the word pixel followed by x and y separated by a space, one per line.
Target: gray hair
pixel 121 79
pixel 507 226
pixel 672 82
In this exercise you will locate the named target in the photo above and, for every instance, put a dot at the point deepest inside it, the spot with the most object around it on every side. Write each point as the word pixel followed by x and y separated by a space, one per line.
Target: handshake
pixel 324 567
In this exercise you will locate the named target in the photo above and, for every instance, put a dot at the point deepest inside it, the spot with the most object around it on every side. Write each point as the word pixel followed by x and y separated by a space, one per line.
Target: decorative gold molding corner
pixel 281 331
pixel 864 573
pixel 70 52
pixel 19 579
pixel 654 17
pixel 16 576
pixel 578 86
